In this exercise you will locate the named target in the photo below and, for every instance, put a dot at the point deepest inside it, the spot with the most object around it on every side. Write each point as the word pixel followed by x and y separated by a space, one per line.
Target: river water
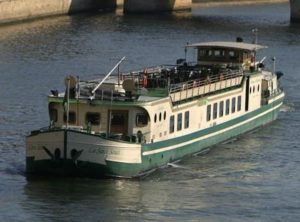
pixel 253 178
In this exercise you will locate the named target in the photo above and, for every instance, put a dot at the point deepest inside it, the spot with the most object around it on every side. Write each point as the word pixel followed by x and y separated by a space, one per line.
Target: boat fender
pixel 139 136
pixel 57 154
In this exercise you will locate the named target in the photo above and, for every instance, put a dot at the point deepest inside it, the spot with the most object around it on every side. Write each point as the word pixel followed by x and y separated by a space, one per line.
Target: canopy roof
pixel 233 45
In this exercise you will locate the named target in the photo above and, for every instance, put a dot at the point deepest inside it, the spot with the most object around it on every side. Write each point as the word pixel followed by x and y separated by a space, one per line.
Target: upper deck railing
pixel 201 87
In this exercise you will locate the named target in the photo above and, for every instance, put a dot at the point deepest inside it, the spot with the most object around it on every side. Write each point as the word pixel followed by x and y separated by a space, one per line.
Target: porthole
pixel 159 117
pixel 155 118
pixel 165 115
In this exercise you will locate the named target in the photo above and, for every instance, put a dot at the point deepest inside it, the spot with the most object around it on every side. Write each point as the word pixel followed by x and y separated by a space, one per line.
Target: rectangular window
pixel 186 119
pixel 233 105
pixel 141 119
pixel 179 121
pixel 93 118
pixel 221 109
pixel 227 109
pixel 215 111
pixel 239 105
pixel 202 52
pixel 172 121
pixel 217 53
pixel 72 117
pixel 208 113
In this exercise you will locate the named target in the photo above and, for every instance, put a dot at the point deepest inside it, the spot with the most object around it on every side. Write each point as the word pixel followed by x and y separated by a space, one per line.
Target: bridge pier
pixel 144 6
pixel 295 10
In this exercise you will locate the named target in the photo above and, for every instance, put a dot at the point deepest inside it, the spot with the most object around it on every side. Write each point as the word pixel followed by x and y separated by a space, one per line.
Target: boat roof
pixel 233 45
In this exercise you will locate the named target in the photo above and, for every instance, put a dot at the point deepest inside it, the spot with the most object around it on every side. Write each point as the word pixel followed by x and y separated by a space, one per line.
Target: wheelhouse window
pixel 227 109
pixel 232 54
pixel 233 105
pixel 208 113
pixel 179 121
pixel 239 103
pixel 141 119
pixel 221 109
pixel 72 117
pixel 215 111
pixel 93 118
pixel 186 119
pixel 172 126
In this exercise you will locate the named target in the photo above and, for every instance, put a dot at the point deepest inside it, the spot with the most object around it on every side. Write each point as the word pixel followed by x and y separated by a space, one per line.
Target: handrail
pixel 200 82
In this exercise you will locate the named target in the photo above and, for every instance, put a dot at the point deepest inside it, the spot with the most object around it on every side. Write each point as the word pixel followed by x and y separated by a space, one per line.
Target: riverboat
pixel 128 124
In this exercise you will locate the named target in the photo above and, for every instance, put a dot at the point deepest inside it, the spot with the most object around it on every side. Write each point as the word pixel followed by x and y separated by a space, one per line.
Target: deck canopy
pixel 229 45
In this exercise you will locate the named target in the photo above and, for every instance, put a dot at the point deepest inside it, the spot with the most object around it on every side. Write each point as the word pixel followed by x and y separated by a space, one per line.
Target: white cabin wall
pixel 255 92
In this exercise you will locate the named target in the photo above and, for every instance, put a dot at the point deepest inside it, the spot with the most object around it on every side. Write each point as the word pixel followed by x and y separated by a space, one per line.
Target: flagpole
pixel 68 101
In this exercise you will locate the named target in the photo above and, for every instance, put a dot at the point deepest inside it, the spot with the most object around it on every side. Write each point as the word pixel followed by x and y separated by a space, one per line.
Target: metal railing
pixel 198 87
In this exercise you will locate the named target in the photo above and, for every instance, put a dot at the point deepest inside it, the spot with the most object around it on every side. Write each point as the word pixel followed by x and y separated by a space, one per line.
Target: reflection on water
pixel 252 178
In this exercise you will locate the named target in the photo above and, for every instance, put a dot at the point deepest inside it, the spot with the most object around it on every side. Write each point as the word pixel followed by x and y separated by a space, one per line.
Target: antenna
pixel 274 64
pixel 185 50
pixel 255 33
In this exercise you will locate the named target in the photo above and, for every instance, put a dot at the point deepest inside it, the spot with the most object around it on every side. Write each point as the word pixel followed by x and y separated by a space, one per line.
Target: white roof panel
pixel 233 45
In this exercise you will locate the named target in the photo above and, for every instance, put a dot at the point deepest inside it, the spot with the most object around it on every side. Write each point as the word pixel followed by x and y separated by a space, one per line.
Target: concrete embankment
pixel 14 10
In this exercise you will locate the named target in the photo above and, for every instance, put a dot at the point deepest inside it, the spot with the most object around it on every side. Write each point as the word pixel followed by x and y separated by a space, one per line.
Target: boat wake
pixel 288 107
pixel 176 166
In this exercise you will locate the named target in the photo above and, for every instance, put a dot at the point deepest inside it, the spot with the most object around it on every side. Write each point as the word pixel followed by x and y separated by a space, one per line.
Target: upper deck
pixel 219 65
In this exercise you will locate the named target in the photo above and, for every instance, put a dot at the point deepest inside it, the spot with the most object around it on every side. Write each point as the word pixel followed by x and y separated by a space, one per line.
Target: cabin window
pixel 219 53
pixel 159 117
pixel 215 111
pixel 165 115
pixel 141 119
pixel 202 52
pixel 210 53
pixel 253 89
pixel 53 115
pixel 232 54
pixel 221 109
pixel 239 103
pixel 72 117
pixel 227 109
pixel 186 119
pixel 179 121
pixel 93 118
pixel 208 113
pixel 172 126
pixel 233 101
pixel 257 88
pixel 155 118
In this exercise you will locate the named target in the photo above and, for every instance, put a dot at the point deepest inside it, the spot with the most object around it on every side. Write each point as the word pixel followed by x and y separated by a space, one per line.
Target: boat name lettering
pixel 104 151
